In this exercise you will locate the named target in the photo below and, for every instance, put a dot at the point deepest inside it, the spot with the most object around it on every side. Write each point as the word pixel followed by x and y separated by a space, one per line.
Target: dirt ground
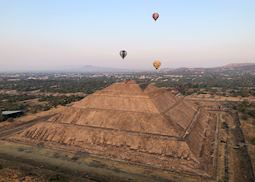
pixel 217 98
pixel 235 164
pixel 235 161
pixel 21 172
pixel 53 165
pixel 248 127
pixel 79 166
pixel 22 162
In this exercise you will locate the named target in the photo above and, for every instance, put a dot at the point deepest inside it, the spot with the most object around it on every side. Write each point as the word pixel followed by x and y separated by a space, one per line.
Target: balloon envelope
pixel 123 54
pixel 155 16
pixel 157 64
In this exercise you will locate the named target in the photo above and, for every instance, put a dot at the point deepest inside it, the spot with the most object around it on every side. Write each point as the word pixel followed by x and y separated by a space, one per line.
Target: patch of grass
pixel 225 125
pixel 58 177
pixel 79 154
pixel 97 164
pixel 253 141
pixel 244 116
pixel 20 149
pixel 40 145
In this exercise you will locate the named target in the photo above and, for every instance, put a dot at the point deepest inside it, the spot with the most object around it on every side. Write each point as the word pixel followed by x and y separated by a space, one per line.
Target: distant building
pixel 11 114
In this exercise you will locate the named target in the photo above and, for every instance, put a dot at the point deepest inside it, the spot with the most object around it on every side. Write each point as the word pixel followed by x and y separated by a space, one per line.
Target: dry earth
pixel 123 133
pixel 248 127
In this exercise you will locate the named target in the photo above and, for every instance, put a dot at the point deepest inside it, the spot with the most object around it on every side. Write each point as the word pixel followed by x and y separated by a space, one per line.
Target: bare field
pixel 60 161
pixel 95 167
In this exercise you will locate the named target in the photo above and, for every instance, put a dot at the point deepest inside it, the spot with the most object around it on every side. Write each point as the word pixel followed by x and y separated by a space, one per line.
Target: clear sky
pixel 193 33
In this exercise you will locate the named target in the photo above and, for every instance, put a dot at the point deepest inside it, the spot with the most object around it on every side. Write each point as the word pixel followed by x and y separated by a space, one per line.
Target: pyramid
pixel 123 122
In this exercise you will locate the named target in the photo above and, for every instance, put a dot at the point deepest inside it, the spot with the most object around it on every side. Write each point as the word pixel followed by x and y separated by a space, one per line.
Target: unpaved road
pixel 19 127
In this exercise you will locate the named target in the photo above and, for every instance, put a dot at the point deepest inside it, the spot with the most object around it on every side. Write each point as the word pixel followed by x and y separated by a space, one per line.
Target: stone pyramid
pixel 124 122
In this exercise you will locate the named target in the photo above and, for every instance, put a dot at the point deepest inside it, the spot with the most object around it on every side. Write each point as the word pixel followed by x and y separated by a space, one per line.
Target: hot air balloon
pixel 157 64
pixel 123 54
pixel 155 16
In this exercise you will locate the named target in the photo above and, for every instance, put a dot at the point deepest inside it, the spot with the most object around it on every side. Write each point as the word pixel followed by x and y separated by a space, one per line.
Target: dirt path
pixel 5 132
pixel 233 162
pixel 245 166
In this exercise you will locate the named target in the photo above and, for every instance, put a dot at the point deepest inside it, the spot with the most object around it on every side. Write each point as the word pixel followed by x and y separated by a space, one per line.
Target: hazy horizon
pixel 36 35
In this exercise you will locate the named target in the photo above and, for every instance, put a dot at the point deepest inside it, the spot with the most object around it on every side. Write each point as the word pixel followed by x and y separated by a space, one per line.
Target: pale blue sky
pixel 193 33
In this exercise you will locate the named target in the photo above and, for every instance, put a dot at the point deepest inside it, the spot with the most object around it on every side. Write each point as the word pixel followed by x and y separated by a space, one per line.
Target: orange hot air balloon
pixel 157 64
pixel 155 16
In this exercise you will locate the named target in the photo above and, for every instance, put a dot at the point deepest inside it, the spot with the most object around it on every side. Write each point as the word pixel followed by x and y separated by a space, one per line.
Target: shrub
pixel 251 113
pixel 244 116
pixel 253 141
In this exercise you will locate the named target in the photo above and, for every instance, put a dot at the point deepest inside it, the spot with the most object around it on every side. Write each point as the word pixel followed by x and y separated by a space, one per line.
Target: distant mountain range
pixel 246 67
pixel 238 65
pixel 242 67
pixel 72 68
pixel 91 69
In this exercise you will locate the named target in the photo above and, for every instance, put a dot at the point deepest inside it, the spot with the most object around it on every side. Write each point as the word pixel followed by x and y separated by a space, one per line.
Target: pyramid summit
pixel 125 122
